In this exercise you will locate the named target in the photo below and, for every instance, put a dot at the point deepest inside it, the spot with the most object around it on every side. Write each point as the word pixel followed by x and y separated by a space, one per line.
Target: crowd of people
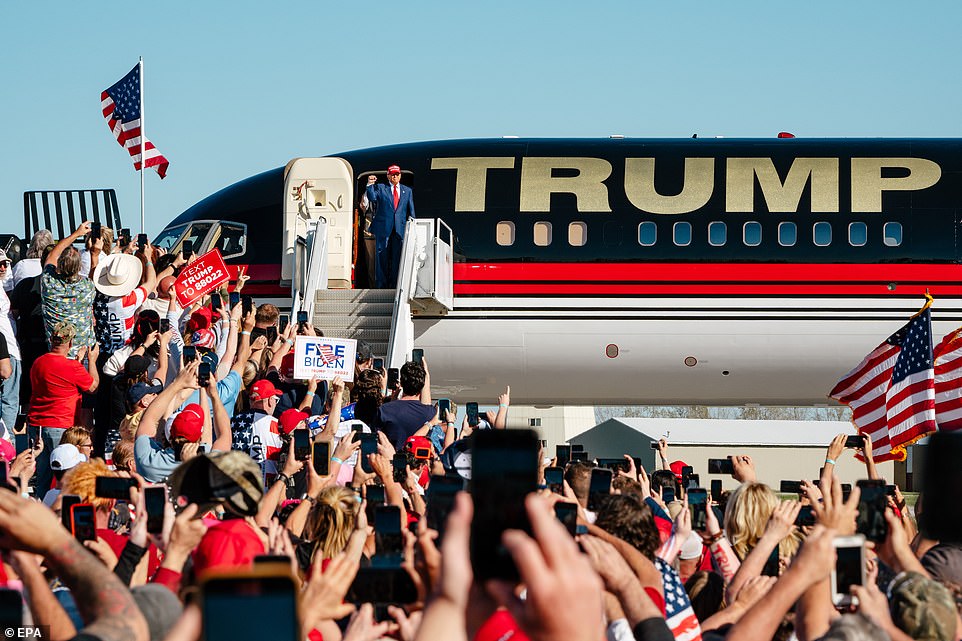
pixel 167 477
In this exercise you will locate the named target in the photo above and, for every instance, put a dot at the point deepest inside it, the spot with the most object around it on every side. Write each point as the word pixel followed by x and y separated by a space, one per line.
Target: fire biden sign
pixel 324 358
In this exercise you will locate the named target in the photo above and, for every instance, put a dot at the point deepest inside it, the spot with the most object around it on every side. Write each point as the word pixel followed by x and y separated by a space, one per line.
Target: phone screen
pixel 124 236
pixel 375 495
pixel 720 466
pixel 686 471
pixel 114 487
pixel 203 374
pixel 95 230
pixel 440 500
pixel 215 301
pixel 187 248
pixel 667 495
pixel 234 298
pixel 444 405
pixel 554 478
pixel 164 325
pixel 322 458
pixel 581 456
pixel 155 500
pixel 790 487
pixel 563 454
pixel 247 304
pixel 806 517
pixel 848 568
pixel 392 378
pixel 698 504
pixel 302 317
pixel 716 490
pixel 854 441
pixel 472 411
pixel 11 610
pixel 302 444
pixel 388 541
pixel 872 503
pixel 82 523
pixel 233 608
pixel 190 354
pixel 142 241
pixel 399 466
pixel 368 446
pixel 417 355
pixel 598 488
pixel 283 321
pixel 382 586
pixel 378 364
pixel 504 470
pixel 613 464
pixel 67 501
pixel 567 513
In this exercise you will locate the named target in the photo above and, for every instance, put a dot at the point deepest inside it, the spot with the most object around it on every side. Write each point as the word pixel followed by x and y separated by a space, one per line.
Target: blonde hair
pixel 123 456
pixel 749 509
pixel 331 521
pixel 68 265
pixel 76 435
pixel 82 481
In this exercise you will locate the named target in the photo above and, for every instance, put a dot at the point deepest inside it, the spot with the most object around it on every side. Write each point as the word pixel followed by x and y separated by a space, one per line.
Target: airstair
pixel 319 194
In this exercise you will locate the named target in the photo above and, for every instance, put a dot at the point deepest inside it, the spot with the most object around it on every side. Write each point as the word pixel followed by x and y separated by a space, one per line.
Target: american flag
pixel 948 382
pixel 892 392
pixel 121 107
pixel 679 614
pixel 327 354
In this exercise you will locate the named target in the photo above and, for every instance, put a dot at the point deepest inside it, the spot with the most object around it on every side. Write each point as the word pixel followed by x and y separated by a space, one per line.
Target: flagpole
pixel 143 145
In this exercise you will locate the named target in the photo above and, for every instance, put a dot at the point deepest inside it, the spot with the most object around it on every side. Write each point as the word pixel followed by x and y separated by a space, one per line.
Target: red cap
pixel 393 169
pixel 500 626
pixel 199 320
pixel 676 468
pixel 287 366
pixel 263 389
pixel 228 545
pixel 290 419
pixel 189 423
pixel 415 442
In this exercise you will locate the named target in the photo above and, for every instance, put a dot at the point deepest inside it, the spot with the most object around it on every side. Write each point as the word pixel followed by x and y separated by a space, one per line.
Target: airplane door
pixel 315 188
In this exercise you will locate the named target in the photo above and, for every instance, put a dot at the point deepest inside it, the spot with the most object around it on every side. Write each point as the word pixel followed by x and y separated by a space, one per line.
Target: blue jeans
pixel 10 397
pixel 51 439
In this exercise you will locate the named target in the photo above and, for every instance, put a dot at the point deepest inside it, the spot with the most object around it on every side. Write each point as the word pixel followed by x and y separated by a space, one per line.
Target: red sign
pixel 202 276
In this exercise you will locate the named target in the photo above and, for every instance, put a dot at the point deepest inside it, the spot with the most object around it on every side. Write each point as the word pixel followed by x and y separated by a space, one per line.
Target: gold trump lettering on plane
pixel 585 180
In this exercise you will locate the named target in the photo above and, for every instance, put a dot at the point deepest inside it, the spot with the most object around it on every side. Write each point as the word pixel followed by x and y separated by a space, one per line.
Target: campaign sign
pixel 324 358
pixel 202 276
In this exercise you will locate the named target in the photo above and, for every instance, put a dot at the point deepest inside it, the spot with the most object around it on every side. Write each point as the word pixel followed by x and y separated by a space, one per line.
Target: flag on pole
pixel 892 391
pixel 121 104
pixel 948 382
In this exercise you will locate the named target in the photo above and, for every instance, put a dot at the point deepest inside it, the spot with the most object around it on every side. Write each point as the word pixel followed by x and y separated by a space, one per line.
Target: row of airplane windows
pixel 751 236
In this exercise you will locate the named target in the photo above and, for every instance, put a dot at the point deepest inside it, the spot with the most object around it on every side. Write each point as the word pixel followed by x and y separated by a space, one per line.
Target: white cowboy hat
pixel 118 274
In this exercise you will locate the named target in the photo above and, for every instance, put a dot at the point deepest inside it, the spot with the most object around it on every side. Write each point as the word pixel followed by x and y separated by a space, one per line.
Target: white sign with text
pixel 324 358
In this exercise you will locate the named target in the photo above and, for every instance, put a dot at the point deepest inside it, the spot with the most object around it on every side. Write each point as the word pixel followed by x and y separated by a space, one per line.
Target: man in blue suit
pixel 393 205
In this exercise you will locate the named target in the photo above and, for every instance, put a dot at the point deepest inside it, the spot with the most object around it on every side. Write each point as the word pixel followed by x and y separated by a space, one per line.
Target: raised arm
pixel 222 431
pixel 426 390
pixel 155 412
pixel 60 247
pixel 504 400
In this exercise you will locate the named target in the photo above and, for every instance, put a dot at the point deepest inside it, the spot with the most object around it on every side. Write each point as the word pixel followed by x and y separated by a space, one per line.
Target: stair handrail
pixel 418 233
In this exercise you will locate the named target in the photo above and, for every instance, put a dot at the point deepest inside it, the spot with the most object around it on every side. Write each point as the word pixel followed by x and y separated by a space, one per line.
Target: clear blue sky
pixel 234 88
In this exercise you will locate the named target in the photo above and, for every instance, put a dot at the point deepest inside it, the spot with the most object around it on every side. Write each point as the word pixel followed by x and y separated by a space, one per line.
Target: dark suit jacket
pixel 386 218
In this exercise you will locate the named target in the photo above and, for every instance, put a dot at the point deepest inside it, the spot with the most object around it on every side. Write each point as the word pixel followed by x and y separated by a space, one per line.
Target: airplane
pixel 626 271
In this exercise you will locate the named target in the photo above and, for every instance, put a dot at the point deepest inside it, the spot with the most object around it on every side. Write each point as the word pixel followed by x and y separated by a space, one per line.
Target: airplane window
pixel 577 234
pixel 231 239
pixel 717 233
pixel 647 233
pixel 857 234
pixel 542 233
pixel 786 234
pixel 169 237
pixel 682 232
pixel 892 234
pixel 822 234
pixel 752 234
pixel 504 233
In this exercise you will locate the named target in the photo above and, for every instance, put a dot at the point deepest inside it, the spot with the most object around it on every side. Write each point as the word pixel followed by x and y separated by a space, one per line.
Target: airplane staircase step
pixel 361 314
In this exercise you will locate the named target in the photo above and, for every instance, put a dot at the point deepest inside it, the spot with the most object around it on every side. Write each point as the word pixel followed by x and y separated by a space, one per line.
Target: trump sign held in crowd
pixel 324 358
pixel 202 276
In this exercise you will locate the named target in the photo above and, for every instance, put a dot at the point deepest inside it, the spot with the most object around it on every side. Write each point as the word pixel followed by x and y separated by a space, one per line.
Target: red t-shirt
pixel 57 383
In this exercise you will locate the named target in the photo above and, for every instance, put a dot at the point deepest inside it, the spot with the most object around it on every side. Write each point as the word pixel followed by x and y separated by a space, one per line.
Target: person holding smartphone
pixel 256 431
pixel 66 296
pixel 402 418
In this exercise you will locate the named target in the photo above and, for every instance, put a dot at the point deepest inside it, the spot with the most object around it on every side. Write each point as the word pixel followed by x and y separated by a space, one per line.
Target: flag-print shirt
pixel 72 303
pixel 114 317
pixel 257 434
pixel 678 611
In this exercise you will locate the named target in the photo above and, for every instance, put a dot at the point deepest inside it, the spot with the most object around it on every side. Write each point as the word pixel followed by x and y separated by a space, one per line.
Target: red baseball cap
pixel 263 389
pixel 199 320
pixel 287 365
pixel 415 442
pixel 290 419
pixel 676 468
pixel 500 626
pixel 393 169
pixel 189 423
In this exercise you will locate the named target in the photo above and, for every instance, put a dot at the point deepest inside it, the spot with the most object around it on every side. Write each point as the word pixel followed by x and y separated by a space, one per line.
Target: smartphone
pixel 247 305
pixel 11 611
pixel 164 326
pixel 368 446
pixel 388 540
pixel 721 466
pixel 444 405
pixel 417 355
pixel 321 458
pixel 693 481
pixel 581 456
pixel 277 560
pixel 686 471
pixel 667 495
pixel 95 230
pixel 790 487
pixel 216 302
pixel 472 410
pixel 381 586
pixel 698 506
pixel 771 567
pixel 846 491
pixel 806 517
pixel 203 374
pixel 233 298
pixel 232 605
pixel 187 249
pixel 504 470
pixel 302 444
pixel 567 513
pixel 142 241
pixel 654 445
pixel 155 500
pixel 374 495
pixel 849 568
pixel 890 491
pixel 393 376
pixel 577 447
pixel 379 364
pixel 554 478
pixel 113 487
pixel 283 321
pixel 598 488
pixel 563 454
pixel 440 500
pixel 190 354
pixel 614 464
pixel 356 431
pixel 82 523
pixel 854 441
pixel 67 501
pixel 716 490
pixel 872 503
pixel 399 465
pixel 124 237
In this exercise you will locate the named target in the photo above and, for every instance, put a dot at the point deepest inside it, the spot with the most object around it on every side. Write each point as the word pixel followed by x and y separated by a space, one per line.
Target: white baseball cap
pixel 65 457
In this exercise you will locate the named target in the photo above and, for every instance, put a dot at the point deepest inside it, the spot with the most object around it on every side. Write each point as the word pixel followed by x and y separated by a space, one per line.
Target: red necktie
pixel 397 196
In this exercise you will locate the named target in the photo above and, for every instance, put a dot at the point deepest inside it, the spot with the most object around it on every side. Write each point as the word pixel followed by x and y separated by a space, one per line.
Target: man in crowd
pixel 400 419
pixel 66 295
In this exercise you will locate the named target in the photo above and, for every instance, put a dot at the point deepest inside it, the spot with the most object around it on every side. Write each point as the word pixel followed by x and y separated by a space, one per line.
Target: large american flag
pixel 679 614
pixel 121 107
pixel 948 382
pixel 892 392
